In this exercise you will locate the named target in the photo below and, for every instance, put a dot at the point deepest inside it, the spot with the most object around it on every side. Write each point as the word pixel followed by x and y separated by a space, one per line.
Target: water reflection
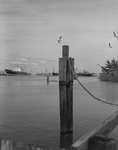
pixel 29 107
pixel 109 91
pixel 66 141
pixel 47 79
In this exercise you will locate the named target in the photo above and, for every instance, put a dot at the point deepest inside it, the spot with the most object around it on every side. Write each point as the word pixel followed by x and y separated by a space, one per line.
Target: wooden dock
pixel 10 145
pixel 104 129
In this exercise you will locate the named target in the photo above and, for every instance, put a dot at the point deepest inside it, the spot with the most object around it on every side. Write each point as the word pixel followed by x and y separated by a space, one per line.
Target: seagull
pixel 115 34
pixel 98 65
pixel 110 45
pixel 59 40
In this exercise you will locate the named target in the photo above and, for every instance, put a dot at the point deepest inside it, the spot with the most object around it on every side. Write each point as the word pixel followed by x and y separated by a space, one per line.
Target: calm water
pixel 29 109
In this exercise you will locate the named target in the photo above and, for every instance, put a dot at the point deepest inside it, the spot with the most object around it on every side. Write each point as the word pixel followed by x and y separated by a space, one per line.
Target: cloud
pixel 42 61
pixel 24 59
pixel 16 62
pixel 7 13
pixel 35 64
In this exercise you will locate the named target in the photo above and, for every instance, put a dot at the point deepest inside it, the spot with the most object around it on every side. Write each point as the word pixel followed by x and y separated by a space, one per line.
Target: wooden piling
pixel 102 143
pixel 66 141
pixel 66 91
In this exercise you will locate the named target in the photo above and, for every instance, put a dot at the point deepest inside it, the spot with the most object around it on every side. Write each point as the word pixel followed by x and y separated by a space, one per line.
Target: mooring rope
pixel 75 76
pixel 66 83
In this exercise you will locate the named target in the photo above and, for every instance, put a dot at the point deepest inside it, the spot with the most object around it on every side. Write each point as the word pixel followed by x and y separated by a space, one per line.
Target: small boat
pixel 55 73
pixel 85 74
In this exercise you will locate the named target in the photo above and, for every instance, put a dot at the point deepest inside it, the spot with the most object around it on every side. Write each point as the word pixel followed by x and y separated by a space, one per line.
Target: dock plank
pixel 103 129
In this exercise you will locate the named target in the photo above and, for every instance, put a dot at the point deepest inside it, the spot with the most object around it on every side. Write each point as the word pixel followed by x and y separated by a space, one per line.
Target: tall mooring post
pixel 66 91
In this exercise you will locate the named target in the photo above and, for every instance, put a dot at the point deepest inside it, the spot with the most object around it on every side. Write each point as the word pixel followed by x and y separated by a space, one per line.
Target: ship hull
pixel 55 74
pixel 85 74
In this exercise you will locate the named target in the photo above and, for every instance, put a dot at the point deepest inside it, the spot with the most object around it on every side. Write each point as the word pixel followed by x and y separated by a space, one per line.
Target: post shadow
pixel 48 78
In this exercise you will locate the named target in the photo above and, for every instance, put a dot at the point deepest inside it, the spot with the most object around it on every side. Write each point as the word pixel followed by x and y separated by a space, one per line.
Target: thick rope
pixel 75 76
pixel 65 83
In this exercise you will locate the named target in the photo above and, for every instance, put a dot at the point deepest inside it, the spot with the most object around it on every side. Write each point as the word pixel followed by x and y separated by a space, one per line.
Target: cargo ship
pixel 84 73
pixel 16 71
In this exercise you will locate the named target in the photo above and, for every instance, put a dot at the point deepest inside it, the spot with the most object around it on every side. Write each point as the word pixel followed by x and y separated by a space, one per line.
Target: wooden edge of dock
pixel 10 145
pixel 103 129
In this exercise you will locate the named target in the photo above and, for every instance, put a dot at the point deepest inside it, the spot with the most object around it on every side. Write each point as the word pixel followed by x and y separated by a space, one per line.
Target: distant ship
pixel 16 71
pixel 84 73
pixel 54 73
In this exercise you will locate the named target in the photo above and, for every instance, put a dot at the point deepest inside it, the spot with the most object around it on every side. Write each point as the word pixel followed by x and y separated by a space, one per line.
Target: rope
pixel 75 76
pixel 65 83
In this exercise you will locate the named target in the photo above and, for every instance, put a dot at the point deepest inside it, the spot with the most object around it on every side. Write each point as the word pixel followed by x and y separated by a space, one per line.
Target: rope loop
pixel 63 83
pixel 98 99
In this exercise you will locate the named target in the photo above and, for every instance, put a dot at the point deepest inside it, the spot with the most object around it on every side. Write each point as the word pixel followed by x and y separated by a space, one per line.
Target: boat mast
pixel 46 71
pixel 53 69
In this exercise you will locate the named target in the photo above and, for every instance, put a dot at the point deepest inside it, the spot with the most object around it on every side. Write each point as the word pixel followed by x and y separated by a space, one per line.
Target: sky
pixel 29 30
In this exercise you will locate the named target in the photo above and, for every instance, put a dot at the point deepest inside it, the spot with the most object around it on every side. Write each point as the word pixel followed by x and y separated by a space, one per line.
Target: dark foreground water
pixel 29 109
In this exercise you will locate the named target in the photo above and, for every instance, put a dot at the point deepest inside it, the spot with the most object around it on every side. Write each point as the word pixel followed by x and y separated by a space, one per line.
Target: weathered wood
pixel 65 51
pixel 102 143
pixel 70 96
pixel 103 129
pixel 62 94
pixel 9 145
pixel 6 145
pixel 66 92
pixel 66 141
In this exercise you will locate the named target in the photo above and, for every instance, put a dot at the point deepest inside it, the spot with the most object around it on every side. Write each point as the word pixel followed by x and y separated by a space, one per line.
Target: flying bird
pixel 59 40
pixel 110 45
pixel 98 65
pixel 115 34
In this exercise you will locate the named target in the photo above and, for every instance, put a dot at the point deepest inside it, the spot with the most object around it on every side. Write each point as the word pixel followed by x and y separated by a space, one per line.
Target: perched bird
pixel 59 40
pixel 115 34
pixel 110 45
